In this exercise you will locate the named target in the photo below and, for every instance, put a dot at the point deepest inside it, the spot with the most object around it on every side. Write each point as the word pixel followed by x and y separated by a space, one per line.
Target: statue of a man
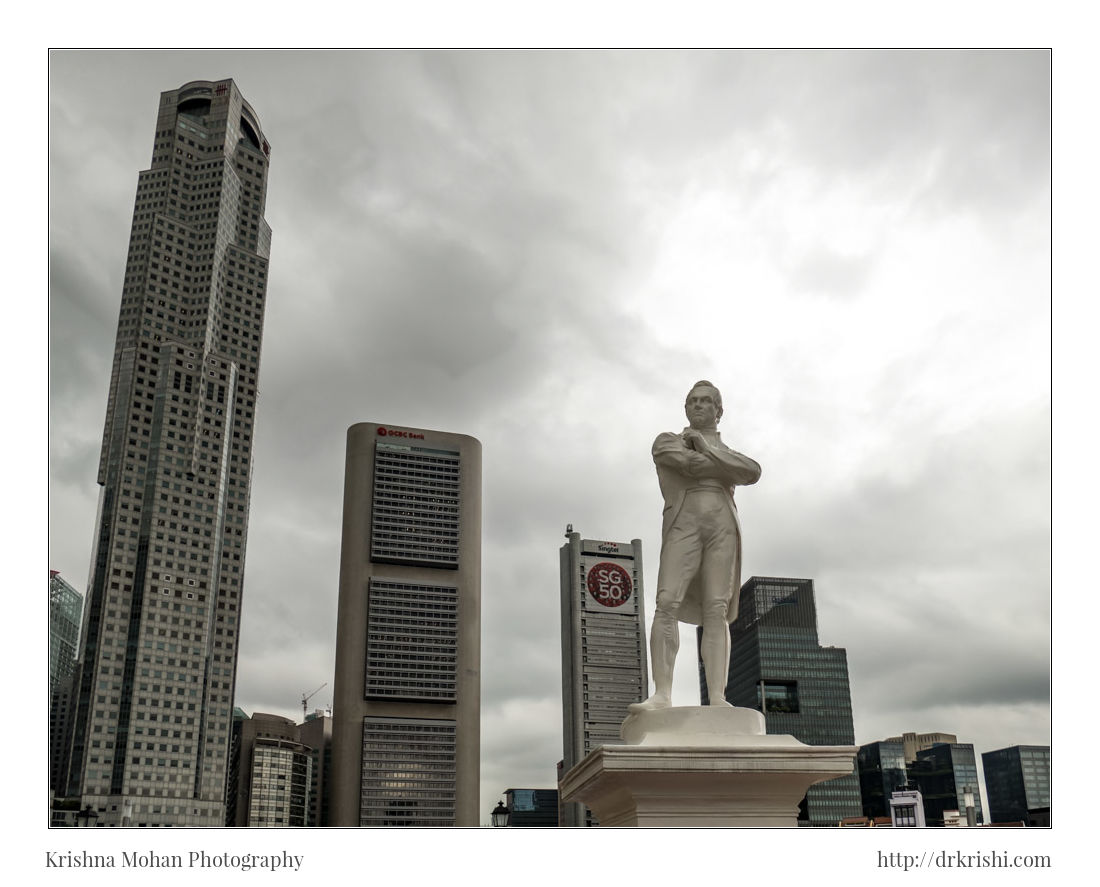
pixel 699 579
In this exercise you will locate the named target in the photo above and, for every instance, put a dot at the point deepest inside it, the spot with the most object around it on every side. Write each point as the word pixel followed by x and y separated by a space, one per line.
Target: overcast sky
pixel 544 251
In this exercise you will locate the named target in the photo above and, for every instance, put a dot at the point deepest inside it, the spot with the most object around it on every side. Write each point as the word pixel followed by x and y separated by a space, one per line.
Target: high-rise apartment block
pixel 1017 782
pixel 154 692
pixel 604 665
pixel 406 734
pixel 778 667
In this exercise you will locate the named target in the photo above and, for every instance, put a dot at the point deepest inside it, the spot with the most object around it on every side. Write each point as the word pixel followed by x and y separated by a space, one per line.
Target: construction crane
pixel 305 699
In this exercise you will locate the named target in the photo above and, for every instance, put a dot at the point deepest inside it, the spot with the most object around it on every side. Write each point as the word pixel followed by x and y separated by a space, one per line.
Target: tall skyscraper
pixel 154 695
pixel 406 732
pixel 603 648
pixel 1017 781
pixel 778 667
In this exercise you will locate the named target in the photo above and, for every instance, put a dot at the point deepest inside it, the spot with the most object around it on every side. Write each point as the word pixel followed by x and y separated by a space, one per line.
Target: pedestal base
pixel 701 766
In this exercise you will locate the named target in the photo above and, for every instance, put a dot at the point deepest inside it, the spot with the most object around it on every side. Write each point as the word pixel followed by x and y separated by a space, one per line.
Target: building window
pixel 905 816
pixel 778 696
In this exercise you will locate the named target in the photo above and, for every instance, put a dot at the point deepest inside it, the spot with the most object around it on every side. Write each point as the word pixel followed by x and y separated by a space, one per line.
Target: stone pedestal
pixel 701 766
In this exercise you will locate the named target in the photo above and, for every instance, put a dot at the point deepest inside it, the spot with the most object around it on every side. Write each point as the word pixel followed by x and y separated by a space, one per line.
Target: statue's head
pixel 703 404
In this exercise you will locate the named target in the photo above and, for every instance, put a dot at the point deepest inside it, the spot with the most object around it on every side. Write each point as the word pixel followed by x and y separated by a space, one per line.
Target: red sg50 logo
pixel 609 584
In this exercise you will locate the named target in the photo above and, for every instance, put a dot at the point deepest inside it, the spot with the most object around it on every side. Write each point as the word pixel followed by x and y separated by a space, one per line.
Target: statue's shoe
pixel 656 701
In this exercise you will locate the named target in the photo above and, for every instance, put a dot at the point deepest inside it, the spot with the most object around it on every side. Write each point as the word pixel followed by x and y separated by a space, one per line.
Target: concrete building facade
pixel 406 735
pixel 603 643
pixel 316 732
pixel 270 774
pixel 154 693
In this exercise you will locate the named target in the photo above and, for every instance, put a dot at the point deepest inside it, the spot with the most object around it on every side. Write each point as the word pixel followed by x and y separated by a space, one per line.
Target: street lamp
pixel 87 814
pixel 968 803
pixel 501 815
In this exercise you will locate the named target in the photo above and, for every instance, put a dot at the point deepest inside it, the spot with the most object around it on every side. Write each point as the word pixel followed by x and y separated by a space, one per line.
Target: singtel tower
pixel 154 697
pixel 603 649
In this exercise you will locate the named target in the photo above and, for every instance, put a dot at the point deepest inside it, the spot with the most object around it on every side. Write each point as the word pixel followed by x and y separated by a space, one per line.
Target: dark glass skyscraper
pixel 881 768
pixel 154 688
pixel 943 773
pixel 778 667
pixel 1017 780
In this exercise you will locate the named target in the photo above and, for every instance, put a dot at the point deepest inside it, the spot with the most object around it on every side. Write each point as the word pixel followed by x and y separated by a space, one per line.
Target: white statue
pixel 700 574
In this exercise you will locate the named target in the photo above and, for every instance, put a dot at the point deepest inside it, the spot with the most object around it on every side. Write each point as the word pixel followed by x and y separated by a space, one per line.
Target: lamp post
pixel 968 802
pixel 87 814
pixel 501 815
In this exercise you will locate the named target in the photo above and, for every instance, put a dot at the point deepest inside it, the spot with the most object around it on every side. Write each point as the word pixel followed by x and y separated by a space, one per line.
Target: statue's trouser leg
pixel 664 643
pixel 719 555
pixel 680 558
pixel 715 644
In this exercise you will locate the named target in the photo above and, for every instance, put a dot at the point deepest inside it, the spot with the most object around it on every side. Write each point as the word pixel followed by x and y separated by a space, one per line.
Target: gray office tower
pixel 778 667
pixel 406 733
pixel 154 693
pixel 603 648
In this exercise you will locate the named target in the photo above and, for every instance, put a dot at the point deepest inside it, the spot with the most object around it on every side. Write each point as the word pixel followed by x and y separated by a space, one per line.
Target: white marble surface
pixel 741 784
pixel 700 727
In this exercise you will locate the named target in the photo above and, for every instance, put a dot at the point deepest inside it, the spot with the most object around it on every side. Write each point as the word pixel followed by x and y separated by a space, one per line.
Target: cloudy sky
pixel 544 251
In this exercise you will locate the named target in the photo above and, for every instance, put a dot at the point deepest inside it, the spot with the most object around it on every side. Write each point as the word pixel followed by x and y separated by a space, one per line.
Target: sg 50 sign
pixel 609 584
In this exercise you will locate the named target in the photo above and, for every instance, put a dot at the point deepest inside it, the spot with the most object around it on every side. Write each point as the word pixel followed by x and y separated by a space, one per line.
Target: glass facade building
pixel 153 697
pixel 1017 781
pixel 66 607
pixel 882 771
pixel 532 807
pixel 778 667
pixel 943 773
